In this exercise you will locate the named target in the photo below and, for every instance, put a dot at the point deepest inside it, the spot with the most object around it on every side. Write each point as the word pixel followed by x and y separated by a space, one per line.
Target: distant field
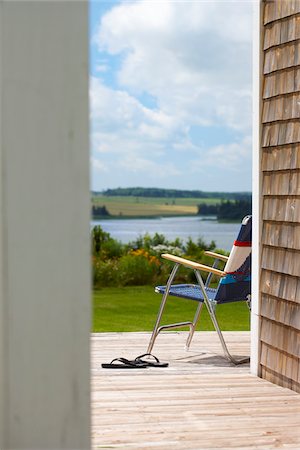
pixel 151 206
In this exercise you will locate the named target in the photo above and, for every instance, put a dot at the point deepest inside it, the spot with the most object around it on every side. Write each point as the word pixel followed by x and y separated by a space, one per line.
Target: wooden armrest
pixel 216 256
pixel 192 264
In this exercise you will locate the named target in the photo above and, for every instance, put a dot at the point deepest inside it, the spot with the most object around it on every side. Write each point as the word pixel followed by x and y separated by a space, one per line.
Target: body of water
pixel 126 230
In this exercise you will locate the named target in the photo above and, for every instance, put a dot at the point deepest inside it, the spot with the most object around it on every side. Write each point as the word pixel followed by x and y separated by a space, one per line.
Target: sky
pixel 171 94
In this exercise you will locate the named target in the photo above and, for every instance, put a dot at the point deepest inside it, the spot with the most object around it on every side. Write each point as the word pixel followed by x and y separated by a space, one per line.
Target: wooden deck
pixel 199 402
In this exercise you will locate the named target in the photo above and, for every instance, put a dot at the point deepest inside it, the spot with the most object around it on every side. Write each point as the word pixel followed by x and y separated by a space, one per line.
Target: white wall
pixel 44 226
pixel 2 305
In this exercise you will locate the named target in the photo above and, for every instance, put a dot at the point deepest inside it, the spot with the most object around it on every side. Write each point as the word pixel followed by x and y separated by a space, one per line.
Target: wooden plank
pixel 281 32
pixel 280 83
pixel 281 311
pixel 281 183
pixel 282 57
pixel 282 286
pixel 288 375
pixel 281 158
pixel 281 108
pixel 281 133
pixel 281 339
pixel 280 9
pixel 199 401
pixel 279 379
pixel 192 264
pixel 281 209
pixel 281 260
pixel 280 234
pixel 280 252
pixel 163 439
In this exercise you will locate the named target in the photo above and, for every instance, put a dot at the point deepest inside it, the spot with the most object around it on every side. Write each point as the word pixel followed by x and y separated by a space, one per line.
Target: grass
pixel 134 308
pixel 151 206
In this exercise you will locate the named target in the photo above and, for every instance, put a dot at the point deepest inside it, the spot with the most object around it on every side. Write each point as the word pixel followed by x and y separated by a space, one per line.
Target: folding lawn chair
pixel 234 285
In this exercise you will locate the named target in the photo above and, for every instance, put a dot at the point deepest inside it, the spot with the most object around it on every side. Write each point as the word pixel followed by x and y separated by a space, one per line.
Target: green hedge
pixel 138 263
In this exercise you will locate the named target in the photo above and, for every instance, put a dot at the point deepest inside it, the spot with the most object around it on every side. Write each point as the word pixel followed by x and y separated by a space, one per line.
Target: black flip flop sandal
pixel 123 363
pixel 154 363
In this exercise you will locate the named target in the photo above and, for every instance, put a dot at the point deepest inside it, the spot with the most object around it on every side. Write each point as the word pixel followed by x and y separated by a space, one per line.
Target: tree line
pixel 172 193
pixel 99 211
pixel 227 210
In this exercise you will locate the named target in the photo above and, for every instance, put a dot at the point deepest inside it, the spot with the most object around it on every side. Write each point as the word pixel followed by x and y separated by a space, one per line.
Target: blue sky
pixel 170 94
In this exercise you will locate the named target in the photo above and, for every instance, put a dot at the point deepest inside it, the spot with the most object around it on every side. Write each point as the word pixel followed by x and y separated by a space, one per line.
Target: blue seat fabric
pixel 188 291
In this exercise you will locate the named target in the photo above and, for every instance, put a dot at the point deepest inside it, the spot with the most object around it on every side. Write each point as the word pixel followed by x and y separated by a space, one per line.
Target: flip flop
pixel 155 363
pixel 123 363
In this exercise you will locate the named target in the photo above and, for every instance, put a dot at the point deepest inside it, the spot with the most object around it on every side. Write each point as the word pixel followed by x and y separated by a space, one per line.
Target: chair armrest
pixel 216 255
pixel 192 264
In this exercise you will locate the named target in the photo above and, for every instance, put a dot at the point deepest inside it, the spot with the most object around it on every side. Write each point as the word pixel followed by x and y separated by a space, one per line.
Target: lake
pixel 126 230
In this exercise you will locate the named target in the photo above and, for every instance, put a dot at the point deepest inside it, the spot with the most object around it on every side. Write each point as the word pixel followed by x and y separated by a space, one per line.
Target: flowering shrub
pixel 104 245
pixel 105 273
pixel 145 254
pixel 161 248
pixel 139 262
pixel 148 242
pixel 138 267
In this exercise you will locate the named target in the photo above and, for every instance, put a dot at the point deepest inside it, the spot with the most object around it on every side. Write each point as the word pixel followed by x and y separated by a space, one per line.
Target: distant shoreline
pixel 203 218
pixel 183 228
pixel 154 217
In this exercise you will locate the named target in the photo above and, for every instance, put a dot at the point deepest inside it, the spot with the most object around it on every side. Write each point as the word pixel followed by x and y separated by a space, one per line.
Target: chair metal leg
pixel 193 327
pixel 156 328
pixel 215 323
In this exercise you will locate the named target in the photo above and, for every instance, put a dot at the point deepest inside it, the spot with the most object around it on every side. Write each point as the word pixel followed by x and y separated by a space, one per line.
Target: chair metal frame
pixel 209 303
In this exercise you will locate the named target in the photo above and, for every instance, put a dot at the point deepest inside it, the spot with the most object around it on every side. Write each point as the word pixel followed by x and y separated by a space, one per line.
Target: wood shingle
pixel 280 190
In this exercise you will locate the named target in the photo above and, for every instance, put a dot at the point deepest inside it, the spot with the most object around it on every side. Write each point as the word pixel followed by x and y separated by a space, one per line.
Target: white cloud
pixel 119 107
pixel 185 55
pixel 121 124
pixel 225 156
pixel 102 68
pixel 143 165
pixel 197 68
pixel 97 165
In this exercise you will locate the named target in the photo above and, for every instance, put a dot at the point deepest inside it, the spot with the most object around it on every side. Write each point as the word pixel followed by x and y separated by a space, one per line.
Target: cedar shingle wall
pixel 280 263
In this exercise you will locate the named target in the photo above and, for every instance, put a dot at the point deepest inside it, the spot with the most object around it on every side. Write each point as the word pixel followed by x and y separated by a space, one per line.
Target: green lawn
pixel 134 308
